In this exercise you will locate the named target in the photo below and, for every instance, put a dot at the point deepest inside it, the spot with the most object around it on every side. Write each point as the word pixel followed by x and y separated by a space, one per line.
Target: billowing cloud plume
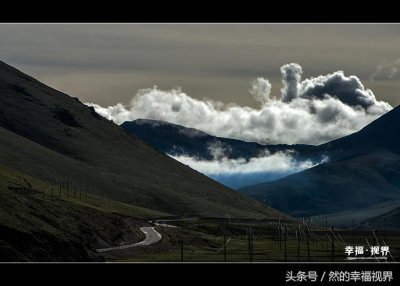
pixel 310 111
pixel 291 78
pixel 387 71
pixel 349 90
pixel 237 173
pixel 261 89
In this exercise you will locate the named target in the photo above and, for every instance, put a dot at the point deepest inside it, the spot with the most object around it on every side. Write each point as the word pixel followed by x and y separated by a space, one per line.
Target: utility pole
pixel 298 246
pixel 308 245
pixel 326 233
pixel 353 232
pixel 332 245
pixel 280 233
pixel 224 247
pixel 285 243
pixel 299 232
pixel 384 229
pixel 181 248
pixel 250 244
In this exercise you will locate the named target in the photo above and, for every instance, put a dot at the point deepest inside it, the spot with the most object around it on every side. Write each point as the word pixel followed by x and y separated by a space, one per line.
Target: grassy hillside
pixel 50 136
pixel 362 175
pixel 353 184
pixel 57 227
pixel 387 221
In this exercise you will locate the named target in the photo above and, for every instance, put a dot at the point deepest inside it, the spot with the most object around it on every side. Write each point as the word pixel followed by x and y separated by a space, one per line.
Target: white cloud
pixel 237 173
pixel 291 78
pixel 261 89
pixel 312 111
pixel 219 150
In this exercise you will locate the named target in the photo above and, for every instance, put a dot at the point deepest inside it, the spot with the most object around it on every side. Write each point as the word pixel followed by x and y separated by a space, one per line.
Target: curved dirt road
pixel 151 236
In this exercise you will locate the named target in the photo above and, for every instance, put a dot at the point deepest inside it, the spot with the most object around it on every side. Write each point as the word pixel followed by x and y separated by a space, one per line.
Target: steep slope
pixel 380 213
pixel 380 135
pixel 179 140
pixel 364 170
pixel 47 134
pixel 387 221
pixel 58 228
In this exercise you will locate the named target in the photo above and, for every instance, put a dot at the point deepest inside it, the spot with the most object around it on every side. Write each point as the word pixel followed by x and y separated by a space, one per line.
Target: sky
pixel 265 83
pixel 268 83
pixel 108 63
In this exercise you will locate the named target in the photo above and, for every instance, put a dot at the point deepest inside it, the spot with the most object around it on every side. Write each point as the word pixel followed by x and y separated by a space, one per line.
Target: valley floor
pixel 66 224
pixel 204 240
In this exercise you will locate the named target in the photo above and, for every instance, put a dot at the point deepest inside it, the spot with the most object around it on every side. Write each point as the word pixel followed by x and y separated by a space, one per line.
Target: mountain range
pixel 177 140
pixel 223 159
pixel 361 179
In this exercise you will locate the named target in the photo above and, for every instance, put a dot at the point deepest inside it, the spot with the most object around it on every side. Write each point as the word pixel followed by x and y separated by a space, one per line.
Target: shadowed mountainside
pixel 47 134
pixel 52 145
pixel 178 140
pixel 364 170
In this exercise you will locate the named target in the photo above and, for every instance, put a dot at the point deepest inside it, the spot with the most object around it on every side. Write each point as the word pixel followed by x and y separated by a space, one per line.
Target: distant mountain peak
pixel 151 122
pixel 191 132
pixel 178 140
pixel 383 134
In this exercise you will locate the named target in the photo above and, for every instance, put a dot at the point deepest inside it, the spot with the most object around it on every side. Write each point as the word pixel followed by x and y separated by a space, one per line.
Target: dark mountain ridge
pixel 178 140
pixel 382 135
pixel 363 171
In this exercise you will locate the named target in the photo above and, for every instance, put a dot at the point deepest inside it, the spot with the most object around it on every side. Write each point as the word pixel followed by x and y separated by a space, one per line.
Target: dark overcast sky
pixel 107 63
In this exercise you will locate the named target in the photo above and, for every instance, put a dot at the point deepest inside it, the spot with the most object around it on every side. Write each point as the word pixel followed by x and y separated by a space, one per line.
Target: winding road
pixel 151 236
